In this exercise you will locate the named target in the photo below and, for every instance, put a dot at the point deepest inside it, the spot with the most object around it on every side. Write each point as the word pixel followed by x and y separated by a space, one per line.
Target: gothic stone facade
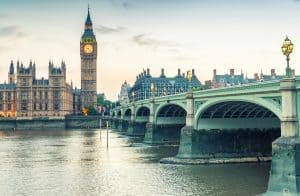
pixel 51 98
pixel 8 95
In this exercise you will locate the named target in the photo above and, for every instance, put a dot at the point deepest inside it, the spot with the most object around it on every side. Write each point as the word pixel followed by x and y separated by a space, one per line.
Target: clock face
pixel 88 48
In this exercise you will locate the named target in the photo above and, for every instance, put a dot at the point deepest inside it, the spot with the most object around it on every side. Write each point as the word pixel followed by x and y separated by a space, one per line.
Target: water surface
pixel 77 162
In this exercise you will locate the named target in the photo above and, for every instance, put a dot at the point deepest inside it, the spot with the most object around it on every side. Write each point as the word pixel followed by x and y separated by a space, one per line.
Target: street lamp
pixel 189 77
pixel 152 88
pixel 164 91
pixel 132 95
pixel 287 48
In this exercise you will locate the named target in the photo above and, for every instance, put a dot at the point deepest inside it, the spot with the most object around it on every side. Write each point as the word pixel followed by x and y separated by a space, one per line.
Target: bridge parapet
pixel 263 87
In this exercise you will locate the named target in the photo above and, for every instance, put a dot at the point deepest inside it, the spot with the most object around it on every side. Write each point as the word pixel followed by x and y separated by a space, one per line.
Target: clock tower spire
pixel 88 54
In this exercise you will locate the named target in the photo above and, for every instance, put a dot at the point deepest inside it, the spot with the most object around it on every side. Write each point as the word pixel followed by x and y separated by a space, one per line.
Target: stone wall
pixel 7 123
pixel 136 128
pixel 68 122
pixel 40 123
pixel 163 134
pixel 84 122
pixel 233 143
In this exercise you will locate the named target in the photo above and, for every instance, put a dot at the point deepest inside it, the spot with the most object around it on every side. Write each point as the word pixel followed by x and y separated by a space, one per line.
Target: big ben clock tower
pixel 88 53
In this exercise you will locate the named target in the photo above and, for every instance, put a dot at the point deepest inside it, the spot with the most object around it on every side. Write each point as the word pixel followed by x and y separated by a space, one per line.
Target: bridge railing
pixel 245 88
pixel 261 86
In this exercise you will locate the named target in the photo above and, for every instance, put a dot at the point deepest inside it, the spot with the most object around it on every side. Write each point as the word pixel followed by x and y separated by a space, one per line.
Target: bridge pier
pixel 231 145
pixel 125 125
pixel 114 123
pixel 285 169
pixel 224 145
pixel 186 133
pixel 136 128
pixel 162 134
pixel 161 131
pixel 120 124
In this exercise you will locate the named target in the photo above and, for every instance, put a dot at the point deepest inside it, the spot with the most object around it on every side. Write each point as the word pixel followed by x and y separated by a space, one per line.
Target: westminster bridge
pixel 246 123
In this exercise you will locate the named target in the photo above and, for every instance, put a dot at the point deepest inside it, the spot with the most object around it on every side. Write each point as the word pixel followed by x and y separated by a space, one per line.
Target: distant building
pixel 230 79
pixel 233 79
pixel 272 76
pixel 29 97
pixel 163 85
pixel 8 95
pixel 77 107
pixel 123 97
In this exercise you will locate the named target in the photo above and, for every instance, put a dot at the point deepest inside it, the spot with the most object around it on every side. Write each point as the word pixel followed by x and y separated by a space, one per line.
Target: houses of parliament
pixel 24 96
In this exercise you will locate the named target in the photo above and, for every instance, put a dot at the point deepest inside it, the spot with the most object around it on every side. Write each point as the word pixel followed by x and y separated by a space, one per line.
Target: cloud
pixel 108 30
pixel 127 5
pixel 12 31
pixel 122 3
pixel 143 40
pixel 8 30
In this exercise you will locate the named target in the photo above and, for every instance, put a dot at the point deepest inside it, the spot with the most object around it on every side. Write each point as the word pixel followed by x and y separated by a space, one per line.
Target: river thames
pixel 77 162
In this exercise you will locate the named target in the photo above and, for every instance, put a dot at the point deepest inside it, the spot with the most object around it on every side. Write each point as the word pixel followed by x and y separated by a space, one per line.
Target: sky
pixel 133 35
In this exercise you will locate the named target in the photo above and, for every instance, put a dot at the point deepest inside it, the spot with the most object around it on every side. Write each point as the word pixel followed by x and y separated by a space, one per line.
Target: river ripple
pixel 77 162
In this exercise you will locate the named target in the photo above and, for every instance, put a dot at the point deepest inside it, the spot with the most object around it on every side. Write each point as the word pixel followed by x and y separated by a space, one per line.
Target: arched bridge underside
pixel 237 114
pixel 142 114
pixel 171 114
pixel 143 111
pixel 235 129
pixel 170 119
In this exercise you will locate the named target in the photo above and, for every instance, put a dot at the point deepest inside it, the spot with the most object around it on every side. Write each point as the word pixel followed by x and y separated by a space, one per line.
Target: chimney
pixel 256 76
pixel 232 72
pixel 193 72
pixel 273 72
pixel 148 72
pixel 214 73
pixel 179 72
pixel 162 73
pixel 183 75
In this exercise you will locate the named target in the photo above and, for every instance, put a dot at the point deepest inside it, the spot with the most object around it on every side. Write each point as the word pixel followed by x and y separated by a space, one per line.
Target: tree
pixel 100 99
pixel 92 110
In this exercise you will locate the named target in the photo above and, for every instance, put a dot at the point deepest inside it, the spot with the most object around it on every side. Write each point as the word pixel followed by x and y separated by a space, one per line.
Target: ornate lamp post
pixel 287 48
pixel 189 77
pixel 152 88
pixel 132 95
pixel 164 91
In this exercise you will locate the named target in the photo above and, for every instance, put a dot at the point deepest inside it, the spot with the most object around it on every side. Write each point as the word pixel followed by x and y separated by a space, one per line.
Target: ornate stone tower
pixel 11 74
pixel 88 53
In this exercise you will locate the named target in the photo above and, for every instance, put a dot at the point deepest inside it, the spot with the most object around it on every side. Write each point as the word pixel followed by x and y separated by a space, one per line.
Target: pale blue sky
pixel 137 34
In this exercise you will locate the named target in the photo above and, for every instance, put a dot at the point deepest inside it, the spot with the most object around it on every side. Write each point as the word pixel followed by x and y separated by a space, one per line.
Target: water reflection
pixel 77 162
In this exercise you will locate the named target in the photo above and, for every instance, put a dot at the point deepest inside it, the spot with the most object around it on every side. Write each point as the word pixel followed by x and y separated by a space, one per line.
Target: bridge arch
pixel 170 114
pixel 169 118
pixel 119 114
pixel 236 127
pixel 143 111
pixel 142 114
pixel 235 104
pixel 169 106
pixel 127 112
